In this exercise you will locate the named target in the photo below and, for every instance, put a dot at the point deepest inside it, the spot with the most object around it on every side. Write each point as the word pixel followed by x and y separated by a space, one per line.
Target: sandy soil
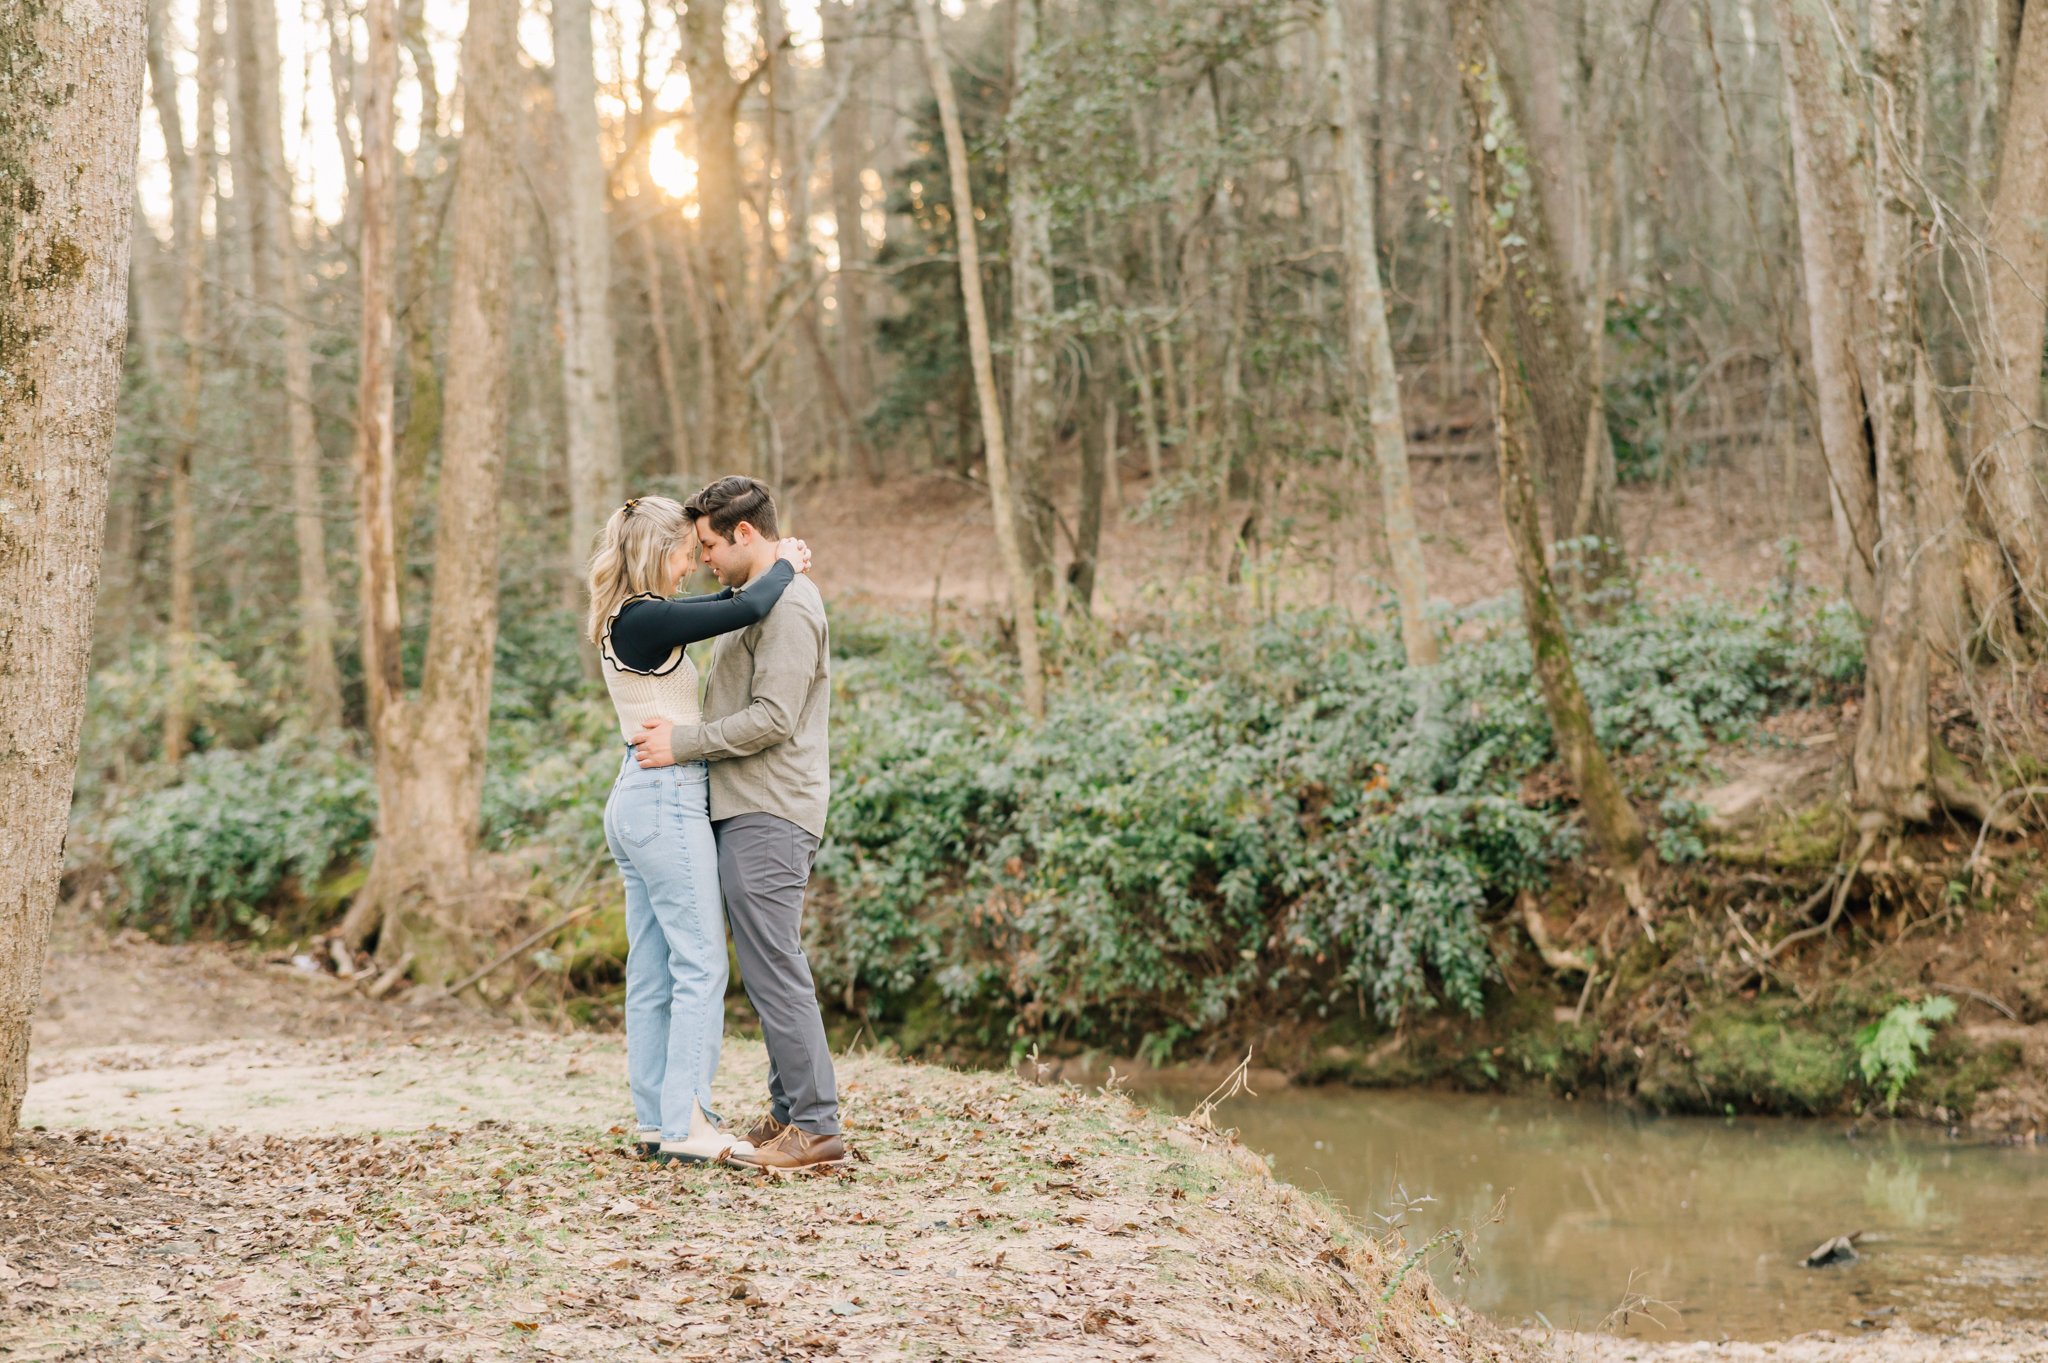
pixel 336 1180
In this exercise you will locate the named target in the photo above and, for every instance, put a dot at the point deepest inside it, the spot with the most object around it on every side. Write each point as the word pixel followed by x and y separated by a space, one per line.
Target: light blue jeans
pixel 658 823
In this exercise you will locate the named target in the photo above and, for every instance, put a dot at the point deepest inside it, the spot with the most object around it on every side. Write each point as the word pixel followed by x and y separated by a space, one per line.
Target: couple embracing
pixel 717 814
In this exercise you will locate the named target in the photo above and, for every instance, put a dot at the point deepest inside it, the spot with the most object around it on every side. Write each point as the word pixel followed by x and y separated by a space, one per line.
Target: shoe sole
pixel 819 1166
pixel 660 1158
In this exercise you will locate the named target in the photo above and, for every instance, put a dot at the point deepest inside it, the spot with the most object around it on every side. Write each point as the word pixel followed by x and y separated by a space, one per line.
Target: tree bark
pixel 1002 500
pixel 430 779
pixel 1894 765
pixel 1549 310
pixel 189 174
pixel 848 152
pixel 1824 149
pixel 1616 830
pixel 1376 384
pixel 375 457
pixel 416 426
pixel 715 102
pixel 2005 419
pixel 69 113
pixel 590 366
pixel 278 279
pixel 1033 412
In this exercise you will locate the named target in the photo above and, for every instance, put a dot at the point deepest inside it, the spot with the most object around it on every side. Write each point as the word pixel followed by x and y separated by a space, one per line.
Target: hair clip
pixel 631 502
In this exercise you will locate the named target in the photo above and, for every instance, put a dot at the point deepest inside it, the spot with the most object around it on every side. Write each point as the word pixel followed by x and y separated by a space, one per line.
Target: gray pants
pixel 764 863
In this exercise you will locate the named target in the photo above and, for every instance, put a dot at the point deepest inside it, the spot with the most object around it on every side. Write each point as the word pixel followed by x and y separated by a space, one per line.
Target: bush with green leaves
pixel 237 833
pixel 1211 817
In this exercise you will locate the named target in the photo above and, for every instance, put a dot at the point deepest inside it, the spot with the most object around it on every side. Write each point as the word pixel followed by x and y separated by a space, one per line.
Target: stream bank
pixel 314 1189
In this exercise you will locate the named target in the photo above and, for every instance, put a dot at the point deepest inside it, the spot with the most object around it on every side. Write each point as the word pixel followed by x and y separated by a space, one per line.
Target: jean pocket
pixel 636 811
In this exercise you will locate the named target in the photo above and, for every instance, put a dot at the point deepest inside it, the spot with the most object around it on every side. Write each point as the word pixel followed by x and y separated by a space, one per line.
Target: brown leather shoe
pixel 765 1130
pixel 796 1149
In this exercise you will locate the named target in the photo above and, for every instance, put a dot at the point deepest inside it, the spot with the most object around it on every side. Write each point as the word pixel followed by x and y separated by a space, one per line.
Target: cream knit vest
pixel 668 692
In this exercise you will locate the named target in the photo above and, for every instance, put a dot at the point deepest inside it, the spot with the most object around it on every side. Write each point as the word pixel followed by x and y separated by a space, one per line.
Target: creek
pixel 1700 1224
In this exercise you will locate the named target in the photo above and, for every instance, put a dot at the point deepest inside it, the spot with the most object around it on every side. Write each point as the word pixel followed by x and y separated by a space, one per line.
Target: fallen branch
pixel 533 937
pixel 1979 996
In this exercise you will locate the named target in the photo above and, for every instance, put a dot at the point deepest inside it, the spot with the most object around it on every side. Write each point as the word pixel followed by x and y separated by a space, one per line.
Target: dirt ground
pixel 918 540
pixel 226 1160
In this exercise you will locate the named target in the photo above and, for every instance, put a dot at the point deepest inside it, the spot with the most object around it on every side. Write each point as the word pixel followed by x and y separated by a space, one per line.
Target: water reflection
pixel 1710 1217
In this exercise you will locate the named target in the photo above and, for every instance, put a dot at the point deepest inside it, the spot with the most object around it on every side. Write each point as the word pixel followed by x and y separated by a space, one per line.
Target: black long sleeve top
pixel 648 629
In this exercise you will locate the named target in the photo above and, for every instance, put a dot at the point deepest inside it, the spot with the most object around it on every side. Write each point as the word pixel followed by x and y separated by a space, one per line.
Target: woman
pixel 658 821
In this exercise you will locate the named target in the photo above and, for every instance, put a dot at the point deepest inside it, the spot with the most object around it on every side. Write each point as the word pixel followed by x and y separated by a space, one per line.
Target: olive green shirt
pixel 767 715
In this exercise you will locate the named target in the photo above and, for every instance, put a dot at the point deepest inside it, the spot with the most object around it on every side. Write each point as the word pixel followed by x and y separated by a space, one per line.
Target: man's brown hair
pixel 731 500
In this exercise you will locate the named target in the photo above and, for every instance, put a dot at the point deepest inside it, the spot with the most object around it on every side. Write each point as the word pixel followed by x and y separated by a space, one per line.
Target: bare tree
pixel 589 366
pixel 69 113
pixel 430 751
pixel 1348 56
pixel 1034 411
pixel 278 277
pixel 2006 415
pixel 727 305
pixel 1548 304
pixel 190 171
pixel 845 48
pixel 1002 498
pixel 1915 568
pixel 1615 828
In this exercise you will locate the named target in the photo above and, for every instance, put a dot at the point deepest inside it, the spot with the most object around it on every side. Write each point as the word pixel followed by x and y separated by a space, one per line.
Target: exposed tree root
pixel 1554 956
pixel 1844 877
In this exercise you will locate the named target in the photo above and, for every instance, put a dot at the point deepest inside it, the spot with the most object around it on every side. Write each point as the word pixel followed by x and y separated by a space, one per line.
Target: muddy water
pixel 1705 1219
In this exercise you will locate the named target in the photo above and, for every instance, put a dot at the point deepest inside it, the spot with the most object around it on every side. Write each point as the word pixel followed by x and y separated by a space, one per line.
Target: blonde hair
pixel 632 556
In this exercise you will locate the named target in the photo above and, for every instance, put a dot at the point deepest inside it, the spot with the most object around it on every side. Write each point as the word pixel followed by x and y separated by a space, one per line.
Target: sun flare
pixel 673 169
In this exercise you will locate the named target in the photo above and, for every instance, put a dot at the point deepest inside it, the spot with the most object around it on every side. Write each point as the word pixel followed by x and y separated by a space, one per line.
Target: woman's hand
pixel 795 553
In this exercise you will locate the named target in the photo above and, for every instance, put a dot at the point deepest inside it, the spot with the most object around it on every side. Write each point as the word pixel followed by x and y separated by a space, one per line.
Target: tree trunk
pixel 1002 500
pixel 1824 149
pixel 70 109
pixel 1098 422
pixel 1616 830
pixel 590 389
pixel 1376 384
pixel 715 101
pixel 375 457
pixel 417 425
pixel 679 445
pixel 341 81
pixel 430 783
pixel 189 173
pixel 1894 765
pixel 2006 411
pixel 1034 416
pixel 1547 303
pixel 848 151
pixel 278 279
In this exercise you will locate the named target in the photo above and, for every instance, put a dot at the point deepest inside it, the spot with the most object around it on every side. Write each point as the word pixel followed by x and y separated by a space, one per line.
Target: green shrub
pixel 1214 815
pixel 236 833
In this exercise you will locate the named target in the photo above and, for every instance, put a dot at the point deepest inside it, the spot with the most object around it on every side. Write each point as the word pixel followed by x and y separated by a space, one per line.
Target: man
pixel 767 705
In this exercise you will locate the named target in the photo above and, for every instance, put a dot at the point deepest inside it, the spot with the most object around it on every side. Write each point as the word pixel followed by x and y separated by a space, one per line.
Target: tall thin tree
pixel 1615 827
pixel 1002 497
pixel 1349 58
pixel 589 365
pixel 279 278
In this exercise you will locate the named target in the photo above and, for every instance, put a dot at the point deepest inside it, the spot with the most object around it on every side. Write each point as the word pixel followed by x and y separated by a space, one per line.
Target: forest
pixel 1493 542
